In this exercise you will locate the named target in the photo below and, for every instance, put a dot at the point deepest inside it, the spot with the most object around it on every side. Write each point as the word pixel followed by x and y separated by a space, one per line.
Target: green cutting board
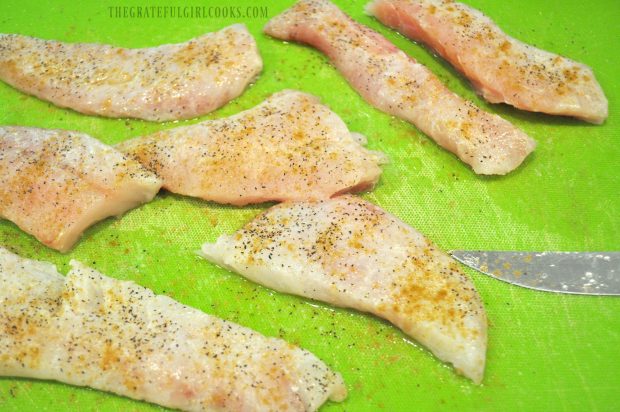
pixel 546 351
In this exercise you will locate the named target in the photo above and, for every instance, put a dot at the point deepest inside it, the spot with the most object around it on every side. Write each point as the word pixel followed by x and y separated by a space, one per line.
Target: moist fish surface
pixel 87 329
pixel 168 82
pixel 350 253
pixel 397 84
pixel 501 68
pixel 290 147
pixel 56 183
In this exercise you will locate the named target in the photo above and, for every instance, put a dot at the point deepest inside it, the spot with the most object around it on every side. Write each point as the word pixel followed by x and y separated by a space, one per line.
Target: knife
pixel 584 273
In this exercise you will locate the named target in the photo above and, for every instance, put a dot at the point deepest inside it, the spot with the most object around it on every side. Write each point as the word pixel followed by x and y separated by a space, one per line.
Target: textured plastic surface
pixel 546 351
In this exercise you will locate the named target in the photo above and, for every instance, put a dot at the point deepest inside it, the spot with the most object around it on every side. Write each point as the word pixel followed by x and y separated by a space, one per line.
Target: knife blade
pixel 585 273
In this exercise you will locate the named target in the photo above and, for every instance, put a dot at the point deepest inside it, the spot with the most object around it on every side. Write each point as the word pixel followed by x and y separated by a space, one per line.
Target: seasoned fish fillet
pixel 56 183
pixel 395 83
pixel 502 69
pixel 350 253
pixel 290 147
pixel 91 330
pixel 169 82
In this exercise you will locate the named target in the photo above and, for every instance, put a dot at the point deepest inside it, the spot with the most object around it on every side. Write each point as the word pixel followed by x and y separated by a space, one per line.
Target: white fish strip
pixel 350 253
pixel 501 68
pixel 290 147
pixel 91 330
pixel 397 84
pixel 56 183
pixel 168 82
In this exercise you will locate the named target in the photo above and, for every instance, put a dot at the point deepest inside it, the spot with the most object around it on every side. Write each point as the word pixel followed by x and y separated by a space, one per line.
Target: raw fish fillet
pixel 290 147
pixel 501 68
pixel 350 253
pixel 56 183
pixel 87 329
pixel 168 82
pixel 397 84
